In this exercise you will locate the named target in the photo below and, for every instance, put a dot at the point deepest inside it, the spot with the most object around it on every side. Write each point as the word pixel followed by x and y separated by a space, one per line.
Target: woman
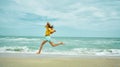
pixel 49 31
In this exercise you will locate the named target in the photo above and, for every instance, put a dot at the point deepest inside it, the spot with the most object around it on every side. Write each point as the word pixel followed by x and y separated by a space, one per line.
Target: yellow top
pixel 48 31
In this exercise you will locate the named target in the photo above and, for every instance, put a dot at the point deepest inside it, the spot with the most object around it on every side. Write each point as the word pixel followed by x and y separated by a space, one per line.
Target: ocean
pixel 73 46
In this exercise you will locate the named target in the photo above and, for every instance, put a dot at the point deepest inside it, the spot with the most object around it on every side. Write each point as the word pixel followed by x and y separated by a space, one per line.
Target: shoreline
pixel 33 55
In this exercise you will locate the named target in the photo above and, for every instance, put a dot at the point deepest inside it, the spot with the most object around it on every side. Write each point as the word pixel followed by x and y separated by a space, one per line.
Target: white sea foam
pixel 100 52
pixel 16 49
pixel 75 51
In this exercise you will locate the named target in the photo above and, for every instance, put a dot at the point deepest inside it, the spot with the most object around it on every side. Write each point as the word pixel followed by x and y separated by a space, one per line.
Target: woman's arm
pixel 52 30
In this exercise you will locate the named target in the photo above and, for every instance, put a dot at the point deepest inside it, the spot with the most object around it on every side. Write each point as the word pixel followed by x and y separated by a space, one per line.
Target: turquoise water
pixel 72 45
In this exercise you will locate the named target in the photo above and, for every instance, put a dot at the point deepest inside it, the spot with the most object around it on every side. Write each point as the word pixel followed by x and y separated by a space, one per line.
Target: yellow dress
pixel 47 33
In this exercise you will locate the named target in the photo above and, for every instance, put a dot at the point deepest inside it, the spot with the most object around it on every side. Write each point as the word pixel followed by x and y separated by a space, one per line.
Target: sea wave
pixel 100 52
pixel 16 49
pixel 19 39
pixel 75 51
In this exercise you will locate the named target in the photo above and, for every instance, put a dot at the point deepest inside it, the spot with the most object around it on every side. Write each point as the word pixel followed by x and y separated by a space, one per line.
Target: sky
pixel 71 18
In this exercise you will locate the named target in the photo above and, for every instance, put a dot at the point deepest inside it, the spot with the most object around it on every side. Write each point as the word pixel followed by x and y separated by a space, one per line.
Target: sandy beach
pixel 18 60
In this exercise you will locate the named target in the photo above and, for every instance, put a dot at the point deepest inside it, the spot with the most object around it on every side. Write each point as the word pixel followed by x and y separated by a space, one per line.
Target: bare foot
pixel 61 43
pixel 38 53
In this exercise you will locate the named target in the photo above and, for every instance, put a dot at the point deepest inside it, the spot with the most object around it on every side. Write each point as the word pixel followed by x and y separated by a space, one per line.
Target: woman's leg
pixel 54 45
pixel 41 46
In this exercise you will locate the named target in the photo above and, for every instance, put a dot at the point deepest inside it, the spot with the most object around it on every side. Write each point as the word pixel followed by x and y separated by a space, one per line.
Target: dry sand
pixel 59 62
